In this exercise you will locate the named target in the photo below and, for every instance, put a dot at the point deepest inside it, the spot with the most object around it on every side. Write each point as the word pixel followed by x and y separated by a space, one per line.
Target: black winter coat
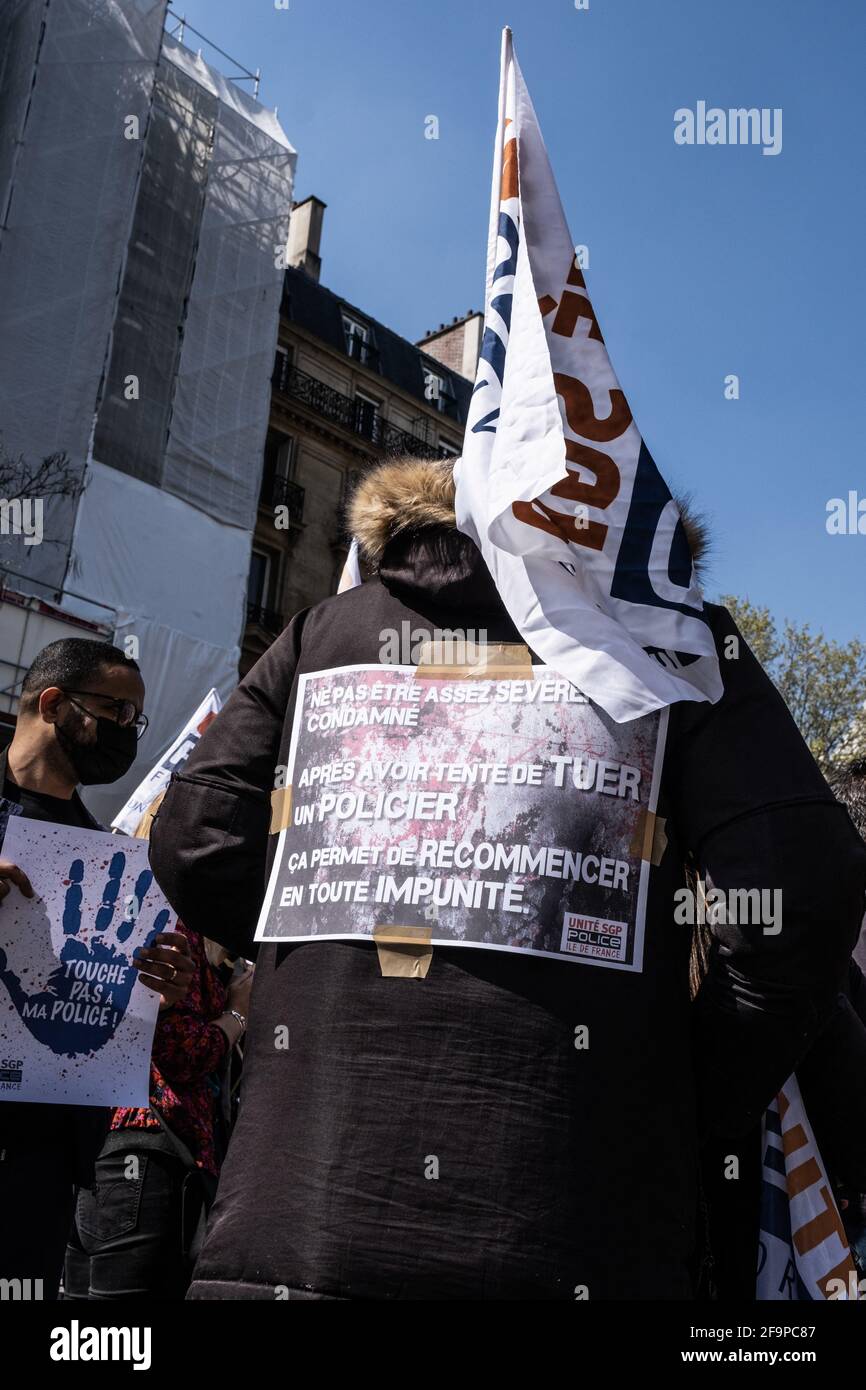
pixel 557 1168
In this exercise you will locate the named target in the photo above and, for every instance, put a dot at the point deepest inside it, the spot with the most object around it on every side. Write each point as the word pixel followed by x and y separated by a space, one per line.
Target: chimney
pixel 457 344
pixel 305 235
pixel 472 332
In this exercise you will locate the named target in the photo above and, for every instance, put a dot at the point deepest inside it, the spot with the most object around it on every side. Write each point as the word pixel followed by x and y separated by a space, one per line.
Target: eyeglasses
pixel 125 711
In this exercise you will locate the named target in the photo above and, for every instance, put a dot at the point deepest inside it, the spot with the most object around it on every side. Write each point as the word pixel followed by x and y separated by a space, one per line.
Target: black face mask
pixel 107 759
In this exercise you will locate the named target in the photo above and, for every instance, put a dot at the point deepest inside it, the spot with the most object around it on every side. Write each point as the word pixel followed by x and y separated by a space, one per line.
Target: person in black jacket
pixel 559 1173
pixel 79 715
pixel 833 1074
pixel 849 785
pixel 832 1080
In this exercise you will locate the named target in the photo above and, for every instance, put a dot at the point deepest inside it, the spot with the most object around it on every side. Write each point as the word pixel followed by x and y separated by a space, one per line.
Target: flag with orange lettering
pixel 556 486
pixel 803 1251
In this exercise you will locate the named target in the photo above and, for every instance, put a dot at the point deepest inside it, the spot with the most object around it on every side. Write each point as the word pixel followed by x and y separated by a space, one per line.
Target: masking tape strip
pixel 281 810
pixel 649 840
pixel 404 952
pixel 660 840
pixel 498 661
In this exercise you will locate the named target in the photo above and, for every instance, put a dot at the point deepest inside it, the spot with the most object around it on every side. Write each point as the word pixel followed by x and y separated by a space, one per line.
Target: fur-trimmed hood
pixel 406 494
pixel 409 494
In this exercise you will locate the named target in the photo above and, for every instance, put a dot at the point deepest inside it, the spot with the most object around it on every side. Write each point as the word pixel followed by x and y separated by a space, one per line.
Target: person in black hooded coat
pixel 561 1173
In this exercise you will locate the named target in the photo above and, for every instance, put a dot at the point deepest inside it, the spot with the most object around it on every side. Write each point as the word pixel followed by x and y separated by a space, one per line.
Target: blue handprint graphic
pixel 85 998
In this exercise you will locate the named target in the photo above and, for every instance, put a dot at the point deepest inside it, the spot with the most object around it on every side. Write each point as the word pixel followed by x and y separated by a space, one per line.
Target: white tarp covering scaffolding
pixel 199 303
pixel 20 31
pixel 178 581
pixel 214 452
pixel 140 283
pixel 71 73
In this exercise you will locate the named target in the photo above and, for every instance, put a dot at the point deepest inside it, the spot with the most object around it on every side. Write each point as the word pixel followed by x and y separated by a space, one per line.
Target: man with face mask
pixel 79 720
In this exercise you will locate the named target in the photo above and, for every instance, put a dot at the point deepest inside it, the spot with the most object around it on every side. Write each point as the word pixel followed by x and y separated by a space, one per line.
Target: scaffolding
pixel 145 200
pixel 177 26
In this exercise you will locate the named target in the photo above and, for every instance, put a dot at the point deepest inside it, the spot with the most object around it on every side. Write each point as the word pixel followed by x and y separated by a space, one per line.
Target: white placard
pixel 76 1024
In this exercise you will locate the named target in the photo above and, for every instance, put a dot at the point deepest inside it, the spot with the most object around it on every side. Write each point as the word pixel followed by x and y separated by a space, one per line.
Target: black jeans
pixel 126 1242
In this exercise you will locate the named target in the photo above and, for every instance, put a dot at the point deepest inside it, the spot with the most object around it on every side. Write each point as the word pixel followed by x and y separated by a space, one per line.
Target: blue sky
pixel 704 261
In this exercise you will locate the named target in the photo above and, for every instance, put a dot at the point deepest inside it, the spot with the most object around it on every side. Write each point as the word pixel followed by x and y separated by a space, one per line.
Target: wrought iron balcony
pixel 355 416
pixel 266 618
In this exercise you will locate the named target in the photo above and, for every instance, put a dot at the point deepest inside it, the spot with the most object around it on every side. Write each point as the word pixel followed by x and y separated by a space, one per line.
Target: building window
pixel 449 450
pixel 279 466
pixel 258 583
pixel 351 480
pixel 368 417
pixel 282 367
pixel 359 340
pixel 438 390
pixel 279 455
pixel 264 566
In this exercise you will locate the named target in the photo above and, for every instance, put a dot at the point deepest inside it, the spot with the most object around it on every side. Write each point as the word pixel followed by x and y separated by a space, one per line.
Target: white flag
pixel 173 758
pixel 351 576
pixel 803 1250
pixel 556 486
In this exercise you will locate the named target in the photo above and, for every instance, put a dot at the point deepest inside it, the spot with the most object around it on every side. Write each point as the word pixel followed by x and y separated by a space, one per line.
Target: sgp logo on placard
pixel 11 1073
pixel 594 937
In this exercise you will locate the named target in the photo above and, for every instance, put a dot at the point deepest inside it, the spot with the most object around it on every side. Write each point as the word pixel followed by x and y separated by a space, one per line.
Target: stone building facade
pixel 347 392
